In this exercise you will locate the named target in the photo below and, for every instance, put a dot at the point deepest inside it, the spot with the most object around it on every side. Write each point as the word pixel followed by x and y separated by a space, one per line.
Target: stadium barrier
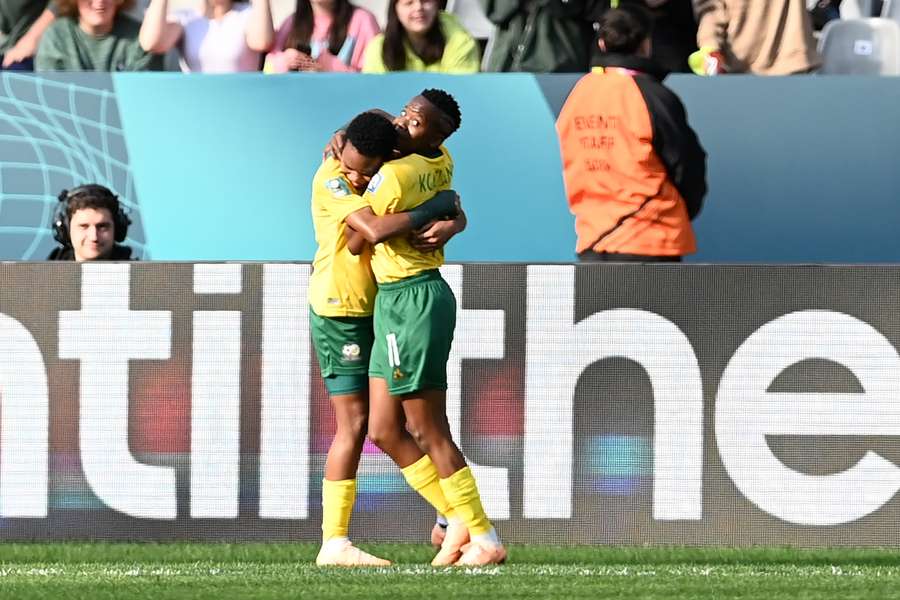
pixel 600 404
pixel 219 167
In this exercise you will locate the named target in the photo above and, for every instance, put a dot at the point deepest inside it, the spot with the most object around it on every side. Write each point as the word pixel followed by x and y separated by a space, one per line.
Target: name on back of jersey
pixel 435 179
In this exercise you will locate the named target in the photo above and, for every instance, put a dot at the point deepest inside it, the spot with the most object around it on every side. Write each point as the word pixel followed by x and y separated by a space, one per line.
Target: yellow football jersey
pixel 341 285
pixel 399 186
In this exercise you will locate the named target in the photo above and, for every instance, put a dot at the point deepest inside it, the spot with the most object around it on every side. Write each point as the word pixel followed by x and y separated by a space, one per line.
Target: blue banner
pixel 220 167
pixel 225 164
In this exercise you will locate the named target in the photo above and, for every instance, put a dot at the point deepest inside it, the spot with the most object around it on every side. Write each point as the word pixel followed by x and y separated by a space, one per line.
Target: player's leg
pixel 439 531
pixel 342 347
pixel 425 412
pixel 420 347
pixel 387 430
pixel 387 423
pixel 351 413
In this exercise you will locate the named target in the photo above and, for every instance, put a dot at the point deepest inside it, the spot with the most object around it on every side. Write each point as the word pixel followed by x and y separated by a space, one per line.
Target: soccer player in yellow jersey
pixel 341 293
pixel 415 315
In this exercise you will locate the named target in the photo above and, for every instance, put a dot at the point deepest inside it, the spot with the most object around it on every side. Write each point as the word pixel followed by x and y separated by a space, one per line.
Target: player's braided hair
pixel 372 135
pixel 446 104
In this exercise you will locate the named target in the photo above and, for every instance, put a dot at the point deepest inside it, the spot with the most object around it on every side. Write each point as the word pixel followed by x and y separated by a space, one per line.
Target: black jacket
pixel 119 252
pixel 542 36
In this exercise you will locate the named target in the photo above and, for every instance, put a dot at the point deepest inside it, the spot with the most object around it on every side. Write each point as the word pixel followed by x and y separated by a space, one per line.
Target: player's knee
pixel 384 436
pixel 353 427
pixel 425 436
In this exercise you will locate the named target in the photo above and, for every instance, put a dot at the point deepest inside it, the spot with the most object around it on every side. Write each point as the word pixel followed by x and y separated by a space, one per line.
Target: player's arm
pixel 436 234
pixel 376 229
pixel 356 243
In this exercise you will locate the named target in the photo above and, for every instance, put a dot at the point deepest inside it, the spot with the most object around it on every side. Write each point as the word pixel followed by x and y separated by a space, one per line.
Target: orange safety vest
pixel 617 187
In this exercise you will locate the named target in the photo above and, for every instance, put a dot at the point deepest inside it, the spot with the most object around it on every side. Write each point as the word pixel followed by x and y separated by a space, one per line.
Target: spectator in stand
pixel 634 171
pixel 22 23
pixel 322 35
pixel 419 36
pixel 88 223
pixel 228 37
pixel 673 35
pixel 546 36
pixel 822 11
pixel 773 37
pixel 93 35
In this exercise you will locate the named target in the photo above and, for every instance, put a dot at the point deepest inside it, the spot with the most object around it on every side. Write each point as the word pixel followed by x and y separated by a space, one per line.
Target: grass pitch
pixel 162 571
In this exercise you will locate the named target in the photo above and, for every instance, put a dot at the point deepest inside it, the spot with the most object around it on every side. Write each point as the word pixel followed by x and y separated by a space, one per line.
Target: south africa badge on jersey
pixel 338 187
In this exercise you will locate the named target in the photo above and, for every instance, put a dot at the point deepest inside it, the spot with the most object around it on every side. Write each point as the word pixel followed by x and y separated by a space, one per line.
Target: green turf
pixel 161 571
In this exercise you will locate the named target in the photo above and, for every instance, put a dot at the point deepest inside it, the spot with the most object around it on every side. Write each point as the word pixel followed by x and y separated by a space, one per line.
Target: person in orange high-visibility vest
pixel 634 170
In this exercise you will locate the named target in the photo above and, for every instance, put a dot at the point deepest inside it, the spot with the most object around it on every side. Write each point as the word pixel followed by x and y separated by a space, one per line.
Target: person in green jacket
pixel 22 23
pixel 94 35
pixel 420 37
pixel 543 36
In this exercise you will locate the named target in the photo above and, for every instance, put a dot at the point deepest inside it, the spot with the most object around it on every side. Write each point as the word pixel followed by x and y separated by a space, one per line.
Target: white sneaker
pixel 480 553
pixel 451 548
pixel 347 555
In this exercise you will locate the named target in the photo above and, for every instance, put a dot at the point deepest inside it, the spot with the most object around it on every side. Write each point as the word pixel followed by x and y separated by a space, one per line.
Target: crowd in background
pixel 223 36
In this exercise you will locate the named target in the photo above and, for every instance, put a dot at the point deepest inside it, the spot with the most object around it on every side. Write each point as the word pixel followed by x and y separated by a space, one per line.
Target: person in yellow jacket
pixel 420 37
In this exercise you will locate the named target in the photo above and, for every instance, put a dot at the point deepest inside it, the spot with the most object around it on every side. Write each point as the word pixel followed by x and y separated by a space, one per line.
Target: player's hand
pixel 433 236
pixel 335 145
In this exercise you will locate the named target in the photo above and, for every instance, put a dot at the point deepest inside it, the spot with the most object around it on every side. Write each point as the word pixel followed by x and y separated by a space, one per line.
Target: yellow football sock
pixel 337 504
pixel 422 476
pixel 462 494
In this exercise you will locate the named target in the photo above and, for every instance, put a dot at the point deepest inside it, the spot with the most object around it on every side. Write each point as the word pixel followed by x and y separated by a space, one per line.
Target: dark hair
pixel 393 51
pixel 624 29
pixel 91 196
pixel 301 33
pixel 445 103
pixel 372 135
pixel 69 8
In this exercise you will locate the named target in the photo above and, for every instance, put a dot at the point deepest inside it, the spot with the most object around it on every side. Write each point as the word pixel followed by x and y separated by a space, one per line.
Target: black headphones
pixel 121 221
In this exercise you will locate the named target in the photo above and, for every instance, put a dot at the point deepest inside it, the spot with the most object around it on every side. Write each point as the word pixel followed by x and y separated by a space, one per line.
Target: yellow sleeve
pixel 372 59
pixel 461 56
pixel 384 192
pixel 341 200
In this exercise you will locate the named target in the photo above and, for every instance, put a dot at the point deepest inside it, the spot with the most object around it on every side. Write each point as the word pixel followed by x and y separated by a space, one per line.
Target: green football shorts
pixel 343 346
pixel 414 322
